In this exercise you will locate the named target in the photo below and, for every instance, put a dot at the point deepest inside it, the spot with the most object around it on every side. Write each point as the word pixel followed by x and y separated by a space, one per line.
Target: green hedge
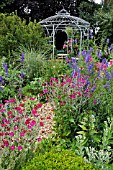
pixel 56 160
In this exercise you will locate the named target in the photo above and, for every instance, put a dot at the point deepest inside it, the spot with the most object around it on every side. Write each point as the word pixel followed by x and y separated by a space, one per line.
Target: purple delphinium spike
pixel 3 82
pixel 1 78
pixel 84 53
pixel 90 50
pixel 108 76
pixel 21 75
pixel 90 67
pixel 100 55
pixel 79 54
pixel 108 40
pixel 5 68
pixel 104 60
pixel 107 85
pixel 22 58
pixel 93 88
pixel 67 59
pixel 73 60
pixel 76 41
pixel 73 73
pixel 79 72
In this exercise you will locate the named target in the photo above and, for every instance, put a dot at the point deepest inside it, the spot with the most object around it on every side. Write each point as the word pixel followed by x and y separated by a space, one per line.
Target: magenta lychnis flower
pixel 19 148
pixel 12 147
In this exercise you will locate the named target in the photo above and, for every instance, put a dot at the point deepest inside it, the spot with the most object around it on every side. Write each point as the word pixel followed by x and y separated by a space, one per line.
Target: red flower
pixel 48 117
pixel 40 95
pixel 94 101
pixel 16 128
pixel 39 139
pixel 1 105
pixel 2 110
pixel 1 134
pixel 32 98
pixel 33 123
pixel 9 113
pixel 45 91
pixel 6 143
pixel 11 134
pixel 12 147
pixel 21 134
pixel 10 101
pixel 41 124
pixel 72 96
pixel 27 121
pixel 24 131
pixel 90 95
pixel 19 148
pixel 21 105
pixel 3 125
pixel 17 108
pixel 39 105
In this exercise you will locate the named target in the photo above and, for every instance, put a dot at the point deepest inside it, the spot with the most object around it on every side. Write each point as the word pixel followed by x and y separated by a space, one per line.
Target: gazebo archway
pixel 62 20
pixel 60 38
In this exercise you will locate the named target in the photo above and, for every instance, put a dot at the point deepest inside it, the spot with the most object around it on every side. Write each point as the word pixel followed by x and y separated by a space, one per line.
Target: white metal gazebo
pixel 62 20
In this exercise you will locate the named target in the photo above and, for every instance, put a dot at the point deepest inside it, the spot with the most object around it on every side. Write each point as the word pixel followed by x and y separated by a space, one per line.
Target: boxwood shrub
pixel 55 160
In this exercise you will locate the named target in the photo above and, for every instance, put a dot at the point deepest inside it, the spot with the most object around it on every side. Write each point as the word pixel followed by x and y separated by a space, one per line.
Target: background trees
pixel 37 9
pixel 98 15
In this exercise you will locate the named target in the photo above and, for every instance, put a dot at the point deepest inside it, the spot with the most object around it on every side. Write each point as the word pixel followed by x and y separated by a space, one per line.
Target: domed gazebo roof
pixel 62 20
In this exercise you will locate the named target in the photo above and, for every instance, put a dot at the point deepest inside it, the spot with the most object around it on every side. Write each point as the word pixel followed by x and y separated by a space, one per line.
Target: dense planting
pixel 80 93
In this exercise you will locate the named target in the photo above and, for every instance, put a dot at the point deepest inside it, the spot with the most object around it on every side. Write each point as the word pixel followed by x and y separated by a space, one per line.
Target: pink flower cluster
pixel 66 86
pixel 18 124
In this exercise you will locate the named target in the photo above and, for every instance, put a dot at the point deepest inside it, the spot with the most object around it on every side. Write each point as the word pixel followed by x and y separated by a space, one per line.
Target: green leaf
pixel 83 127
pixel 85 141
pixel 81 132
pixel 71 120
pixel 96 138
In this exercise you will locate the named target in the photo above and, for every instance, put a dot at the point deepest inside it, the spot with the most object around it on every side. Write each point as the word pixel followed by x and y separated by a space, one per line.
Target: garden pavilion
pixel 62 20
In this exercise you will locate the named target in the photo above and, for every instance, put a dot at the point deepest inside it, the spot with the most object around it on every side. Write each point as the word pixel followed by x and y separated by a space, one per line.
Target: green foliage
pixel 15 33
pixel 10 83
pixel 87 11
pixel 55 159
pixel 105 22
pixel 55 68
pixel 33 65
pixel 88 129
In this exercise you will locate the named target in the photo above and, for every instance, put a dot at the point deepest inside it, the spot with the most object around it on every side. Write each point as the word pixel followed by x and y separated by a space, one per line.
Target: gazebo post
pixel 72 42
pixel 88 37
pixel 80 41
pixel 53 41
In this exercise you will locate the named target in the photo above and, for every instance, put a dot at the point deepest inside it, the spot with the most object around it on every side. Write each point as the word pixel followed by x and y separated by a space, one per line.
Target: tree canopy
pixel 38 9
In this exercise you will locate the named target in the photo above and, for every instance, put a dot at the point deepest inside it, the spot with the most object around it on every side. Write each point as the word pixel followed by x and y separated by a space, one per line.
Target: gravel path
pixel 46 117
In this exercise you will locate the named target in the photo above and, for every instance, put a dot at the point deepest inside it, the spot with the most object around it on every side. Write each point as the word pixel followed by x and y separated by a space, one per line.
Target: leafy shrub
pixel 54 159
pixel 14 33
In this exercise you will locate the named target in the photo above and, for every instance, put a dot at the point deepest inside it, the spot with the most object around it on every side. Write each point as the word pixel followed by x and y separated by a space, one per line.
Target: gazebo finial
pixel 63 12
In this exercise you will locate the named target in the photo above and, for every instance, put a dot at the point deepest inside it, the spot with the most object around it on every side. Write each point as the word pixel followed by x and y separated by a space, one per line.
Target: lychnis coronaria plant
pixel 19 131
